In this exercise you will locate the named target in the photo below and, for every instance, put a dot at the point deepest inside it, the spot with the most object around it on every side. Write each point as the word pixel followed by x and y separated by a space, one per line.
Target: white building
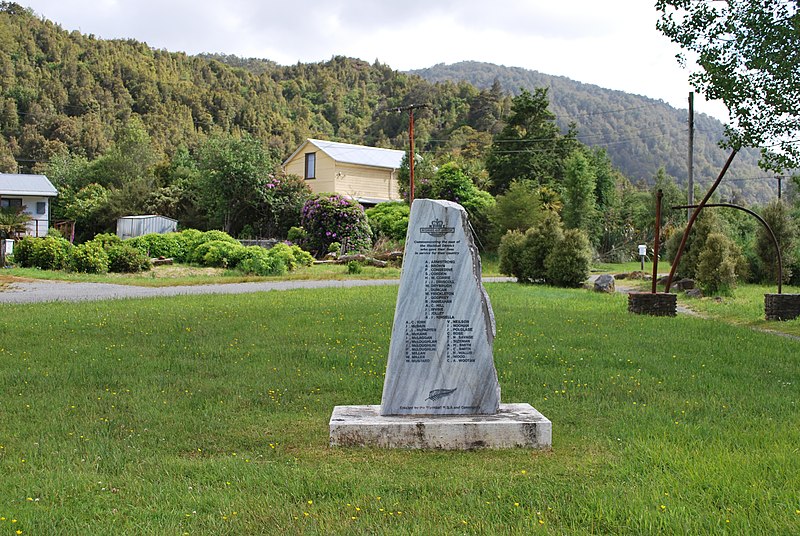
pixel 31 194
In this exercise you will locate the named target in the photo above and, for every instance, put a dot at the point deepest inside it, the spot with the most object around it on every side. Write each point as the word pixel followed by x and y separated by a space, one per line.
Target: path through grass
pixel 208 415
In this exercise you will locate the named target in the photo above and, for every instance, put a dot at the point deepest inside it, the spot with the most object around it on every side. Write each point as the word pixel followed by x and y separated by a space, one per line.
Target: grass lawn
pixel 745 307
pixel 181 274
pixel 209 415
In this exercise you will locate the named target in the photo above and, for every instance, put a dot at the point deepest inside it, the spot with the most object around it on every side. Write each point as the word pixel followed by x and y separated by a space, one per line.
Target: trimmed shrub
pixel 292 256
pixel 277 260
pixel 106 240
pixel 389 220
pixel 510 251
pixel 219 253
pixel 539 242
pixel 190 238
pixel 523 255
pixel 51 253
pixel 124 258
pixel 301 257
pixel 258 261
pixel 197 249
pixel 296 234
pixel 568 263
pixel 161 245
pixel 89 258
pixel 716 271
pixel 23 251
pixel 52 231
pixel 334 218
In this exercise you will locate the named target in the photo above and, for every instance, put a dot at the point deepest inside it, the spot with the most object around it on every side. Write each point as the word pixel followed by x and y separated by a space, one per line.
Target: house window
pixel 311 165
pixel 7 202
pixel 41 207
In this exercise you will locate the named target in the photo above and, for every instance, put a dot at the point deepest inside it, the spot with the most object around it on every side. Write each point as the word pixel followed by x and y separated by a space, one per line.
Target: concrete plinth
pixel 515 425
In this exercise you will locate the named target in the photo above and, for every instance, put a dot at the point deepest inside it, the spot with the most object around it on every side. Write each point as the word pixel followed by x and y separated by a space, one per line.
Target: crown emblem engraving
pixel 437 229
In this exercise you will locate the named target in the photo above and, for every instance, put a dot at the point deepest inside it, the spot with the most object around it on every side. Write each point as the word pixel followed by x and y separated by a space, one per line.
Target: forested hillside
pixel 640 134
pixel 64 91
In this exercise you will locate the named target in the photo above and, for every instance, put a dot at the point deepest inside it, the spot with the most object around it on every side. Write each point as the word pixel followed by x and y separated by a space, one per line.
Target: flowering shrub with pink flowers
pixel 329 218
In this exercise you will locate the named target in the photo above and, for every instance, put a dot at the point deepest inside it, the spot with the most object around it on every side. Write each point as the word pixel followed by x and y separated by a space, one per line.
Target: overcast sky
pixel 610 43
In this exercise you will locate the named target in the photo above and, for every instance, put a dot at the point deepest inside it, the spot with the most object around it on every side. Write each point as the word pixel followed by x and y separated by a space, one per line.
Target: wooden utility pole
pixel 779 185
pixel 690 161
pixel 411 156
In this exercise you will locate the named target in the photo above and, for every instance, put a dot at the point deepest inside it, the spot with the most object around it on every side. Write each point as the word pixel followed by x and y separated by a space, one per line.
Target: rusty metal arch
pixel 760 219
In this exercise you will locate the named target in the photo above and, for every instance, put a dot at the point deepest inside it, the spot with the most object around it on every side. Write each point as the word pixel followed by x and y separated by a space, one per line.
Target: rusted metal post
pixel 696 213
pixel 659 196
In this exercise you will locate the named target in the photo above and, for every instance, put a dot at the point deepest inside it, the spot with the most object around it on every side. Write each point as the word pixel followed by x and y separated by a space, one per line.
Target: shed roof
pixel 355 154
pixel 147 217
pixel 14 184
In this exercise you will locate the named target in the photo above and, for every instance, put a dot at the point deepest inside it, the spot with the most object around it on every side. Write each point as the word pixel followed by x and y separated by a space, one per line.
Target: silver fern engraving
pixel 436 394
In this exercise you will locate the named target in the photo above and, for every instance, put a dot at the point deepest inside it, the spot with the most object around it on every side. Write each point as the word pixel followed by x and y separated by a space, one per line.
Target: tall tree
pixel 749 53
pixel 234 173
pixel 530 146
pixel 580 209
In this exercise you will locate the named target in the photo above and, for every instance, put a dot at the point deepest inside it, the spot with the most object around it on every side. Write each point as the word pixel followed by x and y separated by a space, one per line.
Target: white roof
pixel 356 154
pixel 34 185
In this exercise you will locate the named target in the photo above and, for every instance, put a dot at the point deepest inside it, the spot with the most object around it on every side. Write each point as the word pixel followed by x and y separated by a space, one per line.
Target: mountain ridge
pixel 652 133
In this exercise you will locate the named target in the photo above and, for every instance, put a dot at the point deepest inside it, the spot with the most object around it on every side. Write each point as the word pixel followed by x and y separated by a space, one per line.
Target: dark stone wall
pixel 782 306
pixel 659 304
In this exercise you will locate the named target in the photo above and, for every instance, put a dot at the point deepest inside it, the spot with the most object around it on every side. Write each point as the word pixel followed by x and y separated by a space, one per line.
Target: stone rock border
pixel 782 306
pixel 647 303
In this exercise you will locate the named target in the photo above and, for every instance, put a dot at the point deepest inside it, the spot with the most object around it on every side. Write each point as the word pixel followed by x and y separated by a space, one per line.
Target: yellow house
pixel 365 174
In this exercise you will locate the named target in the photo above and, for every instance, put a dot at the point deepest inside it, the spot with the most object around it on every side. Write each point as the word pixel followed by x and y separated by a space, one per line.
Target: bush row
pixel 98 256
pixel 107 252
pixel 219 249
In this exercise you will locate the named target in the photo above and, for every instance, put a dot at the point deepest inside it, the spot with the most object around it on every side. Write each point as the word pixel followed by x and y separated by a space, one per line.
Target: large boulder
pixel 685 284
pixel 604 283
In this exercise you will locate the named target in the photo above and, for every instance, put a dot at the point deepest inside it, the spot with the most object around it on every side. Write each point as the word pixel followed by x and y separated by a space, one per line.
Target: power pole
pixel 690 162
pixel 411 156
pixel 779 185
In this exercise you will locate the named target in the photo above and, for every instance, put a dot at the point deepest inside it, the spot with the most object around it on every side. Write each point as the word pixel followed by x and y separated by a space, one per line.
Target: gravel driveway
pixel 48 291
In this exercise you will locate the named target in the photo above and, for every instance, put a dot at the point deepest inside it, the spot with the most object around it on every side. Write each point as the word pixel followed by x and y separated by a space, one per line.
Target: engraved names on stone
pixel 440 358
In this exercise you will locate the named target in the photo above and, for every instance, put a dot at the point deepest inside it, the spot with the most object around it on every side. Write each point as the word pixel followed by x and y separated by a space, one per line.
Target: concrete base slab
pixel 514 426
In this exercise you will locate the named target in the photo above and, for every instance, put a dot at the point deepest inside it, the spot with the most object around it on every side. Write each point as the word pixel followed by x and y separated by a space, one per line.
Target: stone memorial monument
pixel 441 388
